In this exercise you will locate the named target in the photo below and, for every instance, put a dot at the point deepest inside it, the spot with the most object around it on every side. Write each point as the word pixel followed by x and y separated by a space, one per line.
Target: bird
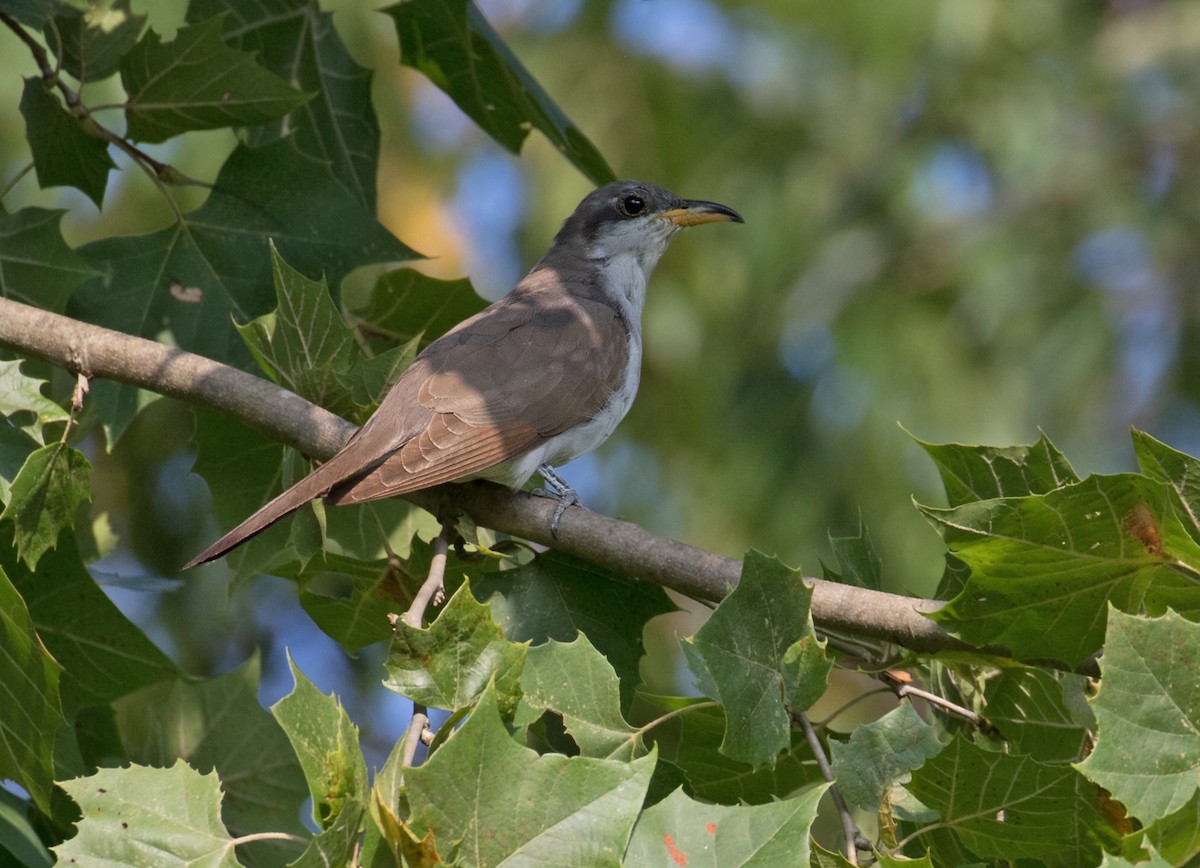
pixel 537 378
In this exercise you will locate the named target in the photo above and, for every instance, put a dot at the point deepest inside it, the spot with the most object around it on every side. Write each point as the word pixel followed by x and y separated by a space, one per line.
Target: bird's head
pixel 633 219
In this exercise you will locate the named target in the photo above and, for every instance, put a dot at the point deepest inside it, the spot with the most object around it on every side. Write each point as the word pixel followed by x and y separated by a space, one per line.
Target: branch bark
pixel 284 416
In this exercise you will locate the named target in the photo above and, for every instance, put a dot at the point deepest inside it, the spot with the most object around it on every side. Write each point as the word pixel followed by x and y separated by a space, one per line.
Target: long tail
pixel 308 488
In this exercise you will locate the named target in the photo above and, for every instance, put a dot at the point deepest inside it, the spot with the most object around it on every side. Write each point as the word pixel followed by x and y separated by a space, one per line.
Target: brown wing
pixel 533 365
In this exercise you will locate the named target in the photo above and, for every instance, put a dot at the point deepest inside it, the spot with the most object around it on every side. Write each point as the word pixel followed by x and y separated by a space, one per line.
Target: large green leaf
pixel 680 831
pixel 197 82
pixel 326 742
pixel 297 41
pixel 104 655
pixel 1148 711
pixel 36 265
pixel 30 710
pixel 1012 807
pixel 64 153
pixel 760 656
pixel 148 818
pixel 449 663
pixel 44 497
pixel 219 724
pixel 214 262
pixel 983 472
pixel 452 44
pixel 487 799
pixel 574 680
pixel 1045 567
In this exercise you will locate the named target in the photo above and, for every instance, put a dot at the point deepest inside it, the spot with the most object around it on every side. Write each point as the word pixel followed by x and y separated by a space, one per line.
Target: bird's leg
pixel 558 489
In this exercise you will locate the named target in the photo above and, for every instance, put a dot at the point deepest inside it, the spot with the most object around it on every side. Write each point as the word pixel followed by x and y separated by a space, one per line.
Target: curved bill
pixel 692 212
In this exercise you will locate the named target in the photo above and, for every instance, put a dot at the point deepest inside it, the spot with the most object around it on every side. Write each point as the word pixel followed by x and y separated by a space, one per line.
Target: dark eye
pixel 632 205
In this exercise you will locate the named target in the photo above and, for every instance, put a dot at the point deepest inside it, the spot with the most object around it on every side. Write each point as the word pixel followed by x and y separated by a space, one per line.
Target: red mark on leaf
pixel 677 855
pixel 711 828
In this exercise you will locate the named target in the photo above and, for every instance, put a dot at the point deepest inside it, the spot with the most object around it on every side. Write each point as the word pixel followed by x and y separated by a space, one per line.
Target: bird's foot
pixel 556 488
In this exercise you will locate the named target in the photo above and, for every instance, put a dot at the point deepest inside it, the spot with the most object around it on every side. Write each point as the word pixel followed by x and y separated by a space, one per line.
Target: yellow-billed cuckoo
pixel 539 377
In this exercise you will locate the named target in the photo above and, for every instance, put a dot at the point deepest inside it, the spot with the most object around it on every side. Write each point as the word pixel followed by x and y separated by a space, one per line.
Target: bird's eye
pixel 632 205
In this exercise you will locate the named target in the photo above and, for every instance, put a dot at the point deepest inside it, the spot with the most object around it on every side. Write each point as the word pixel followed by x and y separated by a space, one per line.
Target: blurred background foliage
pixel 970 217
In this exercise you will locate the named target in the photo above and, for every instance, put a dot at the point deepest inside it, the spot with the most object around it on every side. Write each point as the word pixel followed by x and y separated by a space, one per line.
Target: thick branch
pixel 284 416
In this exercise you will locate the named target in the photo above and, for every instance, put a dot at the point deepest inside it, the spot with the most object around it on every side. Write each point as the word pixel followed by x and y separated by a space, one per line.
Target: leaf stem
pixel 850 829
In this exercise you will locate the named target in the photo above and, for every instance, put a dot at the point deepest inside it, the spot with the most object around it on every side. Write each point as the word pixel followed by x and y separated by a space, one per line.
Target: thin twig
pixel 269 836
pixel 941 702
pixel 414 617
pixel 849 828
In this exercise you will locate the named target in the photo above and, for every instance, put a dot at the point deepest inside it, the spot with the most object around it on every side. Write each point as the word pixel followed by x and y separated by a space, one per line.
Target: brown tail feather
pixel 308 488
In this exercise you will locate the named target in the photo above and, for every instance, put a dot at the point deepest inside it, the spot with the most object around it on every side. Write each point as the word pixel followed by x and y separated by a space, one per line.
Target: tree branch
pixel 98 352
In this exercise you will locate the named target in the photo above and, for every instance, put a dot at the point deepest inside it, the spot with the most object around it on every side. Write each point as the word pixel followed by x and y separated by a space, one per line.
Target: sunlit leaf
pixel 142 816
pixel 1148 710
pixel 680 831
pixel 500 806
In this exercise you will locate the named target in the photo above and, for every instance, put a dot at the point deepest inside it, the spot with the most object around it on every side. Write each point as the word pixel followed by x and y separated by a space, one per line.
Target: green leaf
pixel 139 816
pixel 1147 750
pixel 214 263
pixel 219 724
pixel 64 153
pixel 680 831
pixel 576 681
pixel 881 754
pixel 448 664
pixel 972 473
pixel 91 43
pixel 30 710
pixel 452 44
pixel 103 654
pixel 1041 713
pixel 44 498
pixel 304 344
pixel 406 305
pixel 858 563
pixel 298 42
pixel 326 742
pixel 714 777
pixel 23 394
pixel 197 82
pixel 487 799
pixel 1178 470
pixel 18 838
pixel 556 596
pixel 36 265
pixel 1012 807
pixel 1044 567
pixel 759 653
